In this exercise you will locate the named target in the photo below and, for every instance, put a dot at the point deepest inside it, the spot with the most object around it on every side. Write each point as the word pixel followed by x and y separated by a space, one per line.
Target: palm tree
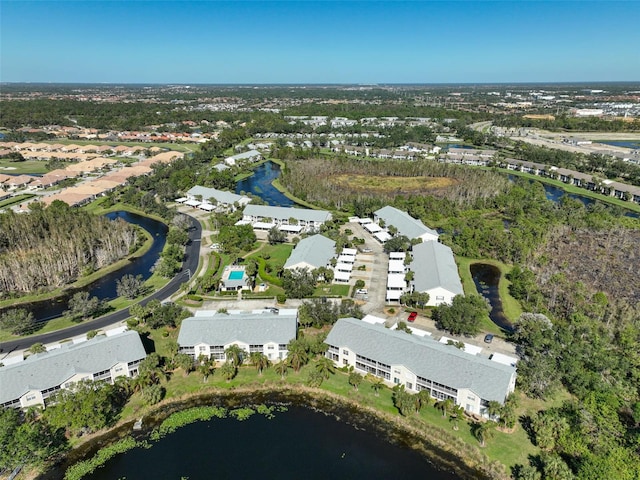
pixel 377 384
pixel 454 417
pixel 403 400
pixel 355 379
pixel 150 372
pixel 483 431
pixel 422 399
pixel 325 367
pixel 297 358
pixel 445 405
pixel 554 467
pixel 281 369
pixel 206 366
pixel 185 362
pixel 235 354
pixel 494 409
pixel 315 378
pixel 260 361
pixel 123 386
pixel 228 370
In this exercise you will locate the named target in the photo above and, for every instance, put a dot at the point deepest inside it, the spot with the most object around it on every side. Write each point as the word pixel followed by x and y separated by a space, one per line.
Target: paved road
pixel 189 266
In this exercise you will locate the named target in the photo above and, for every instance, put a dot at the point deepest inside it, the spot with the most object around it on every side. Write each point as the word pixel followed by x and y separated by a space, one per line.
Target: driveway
pixel 376 263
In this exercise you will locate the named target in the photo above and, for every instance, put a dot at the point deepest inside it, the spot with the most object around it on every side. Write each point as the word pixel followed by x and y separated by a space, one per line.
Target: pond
pixel 487 278
pixel 299 443
pixel 105 287
pixel 259 184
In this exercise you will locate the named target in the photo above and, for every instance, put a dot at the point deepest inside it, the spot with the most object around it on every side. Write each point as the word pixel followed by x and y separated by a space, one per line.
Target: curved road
pixel 189 266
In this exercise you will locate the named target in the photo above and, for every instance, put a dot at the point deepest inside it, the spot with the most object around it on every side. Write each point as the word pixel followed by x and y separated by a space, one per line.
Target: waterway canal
pixel 259 184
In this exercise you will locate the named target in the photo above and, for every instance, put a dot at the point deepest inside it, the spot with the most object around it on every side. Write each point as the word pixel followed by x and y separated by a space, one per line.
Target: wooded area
pixel 52 247
pixel 326 181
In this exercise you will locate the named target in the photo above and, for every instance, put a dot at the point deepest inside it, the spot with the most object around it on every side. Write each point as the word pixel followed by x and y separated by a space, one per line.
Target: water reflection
pixel 259 184
pixel 299 443
pixel 487 278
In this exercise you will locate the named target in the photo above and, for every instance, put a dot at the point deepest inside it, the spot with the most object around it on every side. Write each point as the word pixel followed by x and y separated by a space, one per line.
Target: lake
pixel 259 184
pixel 299 443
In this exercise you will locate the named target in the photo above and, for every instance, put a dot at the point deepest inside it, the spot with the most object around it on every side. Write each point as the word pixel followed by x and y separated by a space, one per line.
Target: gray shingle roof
pixel 285 213
pixel 316 250
pixel 250 328
pixel 425 357
pixel 434 266
pixel 243 155
pixel 48 370
pixel 221 196
pixel 405 223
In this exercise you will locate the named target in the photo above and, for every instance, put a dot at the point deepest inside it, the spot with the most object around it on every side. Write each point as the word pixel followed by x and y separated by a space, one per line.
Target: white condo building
pixel 420 363
pixel 209 333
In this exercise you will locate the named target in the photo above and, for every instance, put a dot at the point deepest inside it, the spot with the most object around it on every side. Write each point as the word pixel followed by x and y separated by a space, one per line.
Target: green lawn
pixel 15 200
pixel 331 289
pixel 278 254
pixel 26 167
pixel 178 147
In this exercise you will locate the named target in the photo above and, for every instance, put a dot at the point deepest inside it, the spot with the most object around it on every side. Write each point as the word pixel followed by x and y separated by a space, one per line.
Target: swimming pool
pixel 236 275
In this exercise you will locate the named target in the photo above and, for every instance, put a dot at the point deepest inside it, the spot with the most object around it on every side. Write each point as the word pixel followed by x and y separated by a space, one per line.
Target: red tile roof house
pixel 19 181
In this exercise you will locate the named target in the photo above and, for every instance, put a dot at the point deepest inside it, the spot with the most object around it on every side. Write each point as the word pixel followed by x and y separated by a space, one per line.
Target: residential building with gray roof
pixel 312 252
pixel 420 363
pixel 405 224
pixel 251 155
pixel 267 331
pixel 222 197
pixel 306 218
pixel 32 381
pixel 435 272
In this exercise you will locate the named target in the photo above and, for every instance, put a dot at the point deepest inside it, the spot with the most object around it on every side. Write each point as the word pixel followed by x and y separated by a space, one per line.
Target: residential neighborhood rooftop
pixel 213 328
pixel 53 368
pixel 405 223
pixel 315 251
pixel 424 356
pixel 434 266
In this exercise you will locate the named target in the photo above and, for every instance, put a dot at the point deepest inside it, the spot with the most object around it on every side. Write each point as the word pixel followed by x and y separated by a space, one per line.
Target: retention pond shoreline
pixel 447 459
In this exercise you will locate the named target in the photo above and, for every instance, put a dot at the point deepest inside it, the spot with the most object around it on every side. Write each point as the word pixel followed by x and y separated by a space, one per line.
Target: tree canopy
pixel 463 316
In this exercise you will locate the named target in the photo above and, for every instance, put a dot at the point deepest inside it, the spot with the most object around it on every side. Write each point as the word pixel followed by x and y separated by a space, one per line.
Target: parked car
pixel 488 338
pixel 412 316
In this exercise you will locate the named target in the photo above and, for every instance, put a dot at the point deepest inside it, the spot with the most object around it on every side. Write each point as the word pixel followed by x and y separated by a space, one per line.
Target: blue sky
pixel 319 42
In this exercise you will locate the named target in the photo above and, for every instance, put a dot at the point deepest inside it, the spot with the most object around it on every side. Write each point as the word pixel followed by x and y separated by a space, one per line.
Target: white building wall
pixel 31 398
pixel 429 237
pixel 470 401
pixel 401 375
pixel 439 295
pixel 271 350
